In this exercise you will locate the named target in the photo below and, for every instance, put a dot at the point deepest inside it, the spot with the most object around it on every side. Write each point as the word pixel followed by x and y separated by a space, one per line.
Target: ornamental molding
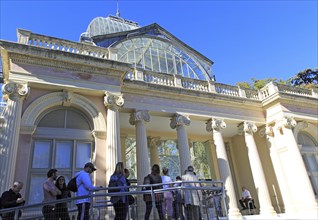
pixel 268 130
pixel 287 122
pixel 45 102
pixel 15 91
pixel 247 127
pixel 59 64
pixel 114 102
pixel 99 134
pixel 215 124
pixel 27 129
pixel 139 115
pixel 179 120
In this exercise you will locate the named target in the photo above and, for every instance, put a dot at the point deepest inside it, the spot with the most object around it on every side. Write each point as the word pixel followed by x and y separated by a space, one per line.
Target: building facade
pixel 141 96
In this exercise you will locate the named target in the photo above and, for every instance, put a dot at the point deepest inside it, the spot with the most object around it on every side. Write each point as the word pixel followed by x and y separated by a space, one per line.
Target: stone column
pixel 178 122
pixel 16 93
pixel 266 207
pixel 138 118
pixel 153 143
pixel 123 148
pixel 113 146
pixel 216 126
pixel 282 182
pixel 99 157
pixel 295 170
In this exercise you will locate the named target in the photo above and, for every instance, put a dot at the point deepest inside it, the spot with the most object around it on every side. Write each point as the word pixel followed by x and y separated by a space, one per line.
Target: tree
pixel 307 78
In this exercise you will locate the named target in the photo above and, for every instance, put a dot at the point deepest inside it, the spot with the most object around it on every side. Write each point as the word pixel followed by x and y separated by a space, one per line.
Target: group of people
pixel 170 204
pixel 55 188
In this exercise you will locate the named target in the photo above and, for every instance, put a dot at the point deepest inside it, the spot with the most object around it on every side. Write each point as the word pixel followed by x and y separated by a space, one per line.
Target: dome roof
pixel 108 25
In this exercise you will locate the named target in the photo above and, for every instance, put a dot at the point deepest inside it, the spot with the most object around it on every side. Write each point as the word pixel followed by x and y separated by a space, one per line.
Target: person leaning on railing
pixel 153 178
pixel 120 203
pixel 12 198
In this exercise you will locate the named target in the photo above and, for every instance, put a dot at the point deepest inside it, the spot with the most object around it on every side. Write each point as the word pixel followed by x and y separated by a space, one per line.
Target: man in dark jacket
pixel 12 198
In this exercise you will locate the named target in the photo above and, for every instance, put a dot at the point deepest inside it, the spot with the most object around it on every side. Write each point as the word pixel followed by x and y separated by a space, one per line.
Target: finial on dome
pixel 117 12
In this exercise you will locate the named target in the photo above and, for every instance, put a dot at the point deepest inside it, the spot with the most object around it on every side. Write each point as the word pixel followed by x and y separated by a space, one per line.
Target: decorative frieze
pixel 139 115
pixel 179 120
pixel 215 124
pixel 113 102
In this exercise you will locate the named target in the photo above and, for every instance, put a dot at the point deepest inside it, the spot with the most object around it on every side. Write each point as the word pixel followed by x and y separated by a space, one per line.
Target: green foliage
pixel 243 85
pixel 307 78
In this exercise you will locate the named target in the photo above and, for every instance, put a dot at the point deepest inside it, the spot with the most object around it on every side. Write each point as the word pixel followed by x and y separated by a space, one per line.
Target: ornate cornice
pixel 215 124
pixel 287 122
pixel 15 91
pixel 113 102
pixel 139 115
pixel 247 127
pixel 60 64
pixel 179 120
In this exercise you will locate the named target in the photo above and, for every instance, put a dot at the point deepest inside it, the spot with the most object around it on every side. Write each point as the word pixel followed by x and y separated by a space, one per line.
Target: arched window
pixel 309 152
pixel 62 140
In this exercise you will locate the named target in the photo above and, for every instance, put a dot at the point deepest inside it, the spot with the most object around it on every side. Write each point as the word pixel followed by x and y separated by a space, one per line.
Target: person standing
pixel 153 178
pixel 12 198
pixel 191 197
pixel 50 191
pixel 120 203
pixel 167 206
pixel 177 203
pixel 84 186
pixel 61 208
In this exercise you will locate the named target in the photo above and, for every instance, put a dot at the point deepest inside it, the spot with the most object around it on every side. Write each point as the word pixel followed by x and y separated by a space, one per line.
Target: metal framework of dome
pixel 151 48
pixel 110 24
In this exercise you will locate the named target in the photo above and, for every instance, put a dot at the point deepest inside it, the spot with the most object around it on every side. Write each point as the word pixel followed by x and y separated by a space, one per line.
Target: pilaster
pixel 294 169
pixel 16 93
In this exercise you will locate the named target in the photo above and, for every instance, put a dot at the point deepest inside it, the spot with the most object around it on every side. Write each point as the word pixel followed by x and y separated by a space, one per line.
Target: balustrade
pixel 52 43
pixel 227 89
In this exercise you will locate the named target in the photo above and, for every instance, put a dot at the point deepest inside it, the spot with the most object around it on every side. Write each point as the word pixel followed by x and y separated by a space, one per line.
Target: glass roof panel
pixel 160 56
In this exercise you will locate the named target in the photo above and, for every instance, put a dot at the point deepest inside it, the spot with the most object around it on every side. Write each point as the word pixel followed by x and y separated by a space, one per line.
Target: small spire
pixel 118 13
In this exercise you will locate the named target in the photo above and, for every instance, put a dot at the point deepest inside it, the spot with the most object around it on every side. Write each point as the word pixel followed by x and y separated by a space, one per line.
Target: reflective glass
pixel 63 155
pixel 41 154
pixel 36 188
pixel 160 57
pixel 83 154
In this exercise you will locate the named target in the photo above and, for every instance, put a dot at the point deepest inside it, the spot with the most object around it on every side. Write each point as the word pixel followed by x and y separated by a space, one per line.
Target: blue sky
pixel 244 39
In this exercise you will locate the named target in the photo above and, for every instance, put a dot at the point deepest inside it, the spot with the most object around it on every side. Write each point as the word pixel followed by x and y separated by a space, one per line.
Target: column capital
pixel 247 127
pixel 179 120
pixel 215 124
pixel 139 115
pixel 286 121
pixel 15 91
pixel 114 102
pixel 154 141
pixel 267 130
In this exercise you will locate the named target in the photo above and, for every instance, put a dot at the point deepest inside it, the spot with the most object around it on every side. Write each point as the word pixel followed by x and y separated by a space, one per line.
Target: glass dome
pixel 108 25
pixel 159 55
